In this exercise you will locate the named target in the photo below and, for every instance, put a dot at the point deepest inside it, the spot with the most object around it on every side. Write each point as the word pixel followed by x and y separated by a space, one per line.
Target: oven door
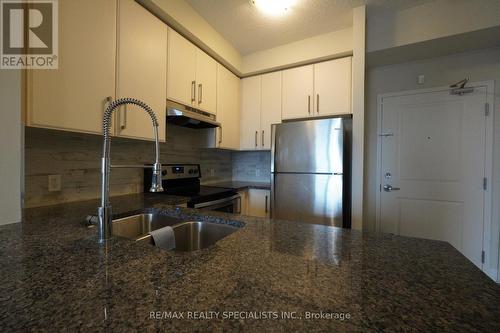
pixel 228 205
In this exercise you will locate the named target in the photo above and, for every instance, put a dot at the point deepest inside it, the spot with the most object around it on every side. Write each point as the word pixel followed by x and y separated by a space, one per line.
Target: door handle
pixel 262 138
pixel 309 104
pixel 389 188
pixel 317 103
pixel 193 91
pixel 266 205
pixel 256 132
pixel 200 93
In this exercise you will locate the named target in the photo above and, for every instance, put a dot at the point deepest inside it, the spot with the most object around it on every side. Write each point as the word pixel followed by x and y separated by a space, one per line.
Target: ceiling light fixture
pixel 273 7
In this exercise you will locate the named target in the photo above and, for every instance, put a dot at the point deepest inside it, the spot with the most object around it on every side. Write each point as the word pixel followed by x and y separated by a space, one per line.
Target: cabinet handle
pixel 193 91
pixel 123 117
pixel 106 103
pixel 220 137
pixel 239 206
pixel 266 204
pixel 256 132
pixel 200 93
pixel 262 138
pixel 309 104
pixel 317 103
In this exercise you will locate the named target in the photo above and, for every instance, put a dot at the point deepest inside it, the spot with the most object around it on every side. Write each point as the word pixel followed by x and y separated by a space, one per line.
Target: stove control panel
pixel 177 179
pixel 179 171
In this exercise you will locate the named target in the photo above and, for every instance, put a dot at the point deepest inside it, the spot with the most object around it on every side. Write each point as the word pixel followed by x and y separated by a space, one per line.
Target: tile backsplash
pixel 252 166
pixel 76 157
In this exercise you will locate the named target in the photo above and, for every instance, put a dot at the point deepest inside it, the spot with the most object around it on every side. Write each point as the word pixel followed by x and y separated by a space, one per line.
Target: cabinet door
pixel 206 82
pixel 258 202
pixel 270 112
pixel 141 70
pixel 181 74
pixel 250 112
pixel 228 109
pixel 332 87
pixel 244 202
pixel 73 96
pixel 297 96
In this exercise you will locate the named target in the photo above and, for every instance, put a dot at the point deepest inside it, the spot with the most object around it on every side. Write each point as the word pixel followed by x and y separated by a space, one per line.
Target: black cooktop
pixel 184 179
pixel 199 193
pixel 208 193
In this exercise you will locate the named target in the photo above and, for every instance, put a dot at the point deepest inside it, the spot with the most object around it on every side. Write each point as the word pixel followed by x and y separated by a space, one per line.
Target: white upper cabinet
pixel 270 112
pixel 250 112
pixel 260 108
pixel 192 74
pixel 332 87
pixel 112 58
pixel 141 70
pixel 317 90
pixel 73 97
pixel 228 109
pixel 297 95
pixel 181 74
pixel 206 82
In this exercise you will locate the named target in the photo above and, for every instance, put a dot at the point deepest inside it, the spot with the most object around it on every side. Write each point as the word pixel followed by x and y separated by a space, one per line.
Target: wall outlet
pixel 212 172
pixel 421 79
pixel 54 183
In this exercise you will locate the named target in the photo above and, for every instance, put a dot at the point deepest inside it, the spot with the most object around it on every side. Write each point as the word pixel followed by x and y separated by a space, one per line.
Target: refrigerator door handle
pixel 273 148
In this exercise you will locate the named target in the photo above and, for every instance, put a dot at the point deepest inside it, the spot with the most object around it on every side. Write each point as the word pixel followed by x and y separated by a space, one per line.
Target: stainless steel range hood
pixel 185 116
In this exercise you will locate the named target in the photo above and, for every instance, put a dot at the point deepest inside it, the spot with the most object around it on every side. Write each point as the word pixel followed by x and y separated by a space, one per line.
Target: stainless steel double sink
pixel 189 235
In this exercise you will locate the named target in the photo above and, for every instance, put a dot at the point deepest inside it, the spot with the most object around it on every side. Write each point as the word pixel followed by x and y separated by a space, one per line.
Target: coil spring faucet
pixel 105 225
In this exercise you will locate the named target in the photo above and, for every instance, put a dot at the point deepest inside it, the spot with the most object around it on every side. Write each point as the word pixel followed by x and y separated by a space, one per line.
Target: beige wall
pixel 435 19
pixel 182 17
pixel 480 65
pixel 11 146
pixel 321 47
pixel 358 116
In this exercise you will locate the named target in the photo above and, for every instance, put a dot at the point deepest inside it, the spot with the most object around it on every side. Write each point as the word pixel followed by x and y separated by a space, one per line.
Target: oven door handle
pixel 215 202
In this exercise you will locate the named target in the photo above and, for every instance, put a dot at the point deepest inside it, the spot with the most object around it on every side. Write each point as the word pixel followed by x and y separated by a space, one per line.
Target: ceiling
pixel 249 30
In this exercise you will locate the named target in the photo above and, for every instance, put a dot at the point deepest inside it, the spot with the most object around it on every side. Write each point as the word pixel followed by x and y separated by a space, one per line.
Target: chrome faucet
pixel 105 222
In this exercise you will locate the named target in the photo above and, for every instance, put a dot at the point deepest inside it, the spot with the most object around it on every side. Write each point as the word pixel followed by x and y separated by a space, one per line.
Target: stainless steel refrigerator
pixel 310 171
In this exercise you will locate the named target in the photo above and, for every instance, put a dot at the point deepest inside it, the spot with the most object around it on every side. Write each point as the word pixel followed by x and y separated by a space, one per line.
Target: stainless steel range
pixel 184 180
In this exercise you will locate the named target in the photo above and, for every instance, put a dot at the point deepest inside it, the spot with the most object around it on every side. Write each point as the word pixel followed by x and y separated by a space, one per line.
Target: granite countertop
pixel 241 185
pixel 55 277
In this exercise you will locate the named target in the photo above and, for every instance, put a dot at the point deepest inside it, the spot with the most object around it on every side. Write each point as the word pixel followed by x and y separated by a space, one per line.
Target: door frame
pixel 488 170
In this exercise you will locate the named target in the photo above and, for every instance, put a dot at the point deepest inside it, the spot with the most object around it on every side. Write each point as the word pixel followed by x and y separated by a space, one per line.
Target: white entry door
pixel 432 168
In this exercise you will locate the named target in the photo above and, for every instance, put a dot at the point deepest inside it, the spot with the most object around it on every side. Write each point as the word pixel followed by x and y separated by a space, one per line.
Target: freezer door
pixel 307 198
pixel 310 146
